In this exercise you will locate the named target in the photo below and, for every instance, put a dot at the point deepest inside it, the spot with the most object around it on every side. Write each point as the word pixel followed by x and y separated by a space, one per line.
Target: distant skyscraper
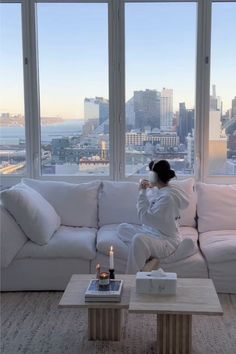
pixel 166 109
pixel 233 111
pixel 147 109
pixel 96 108
pixel 129 113
pixel 215 101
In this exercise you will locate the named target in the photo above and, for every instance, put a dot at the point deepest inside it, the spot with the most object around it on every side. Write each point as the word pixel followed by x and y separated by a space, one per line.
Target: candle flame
pixel 111 248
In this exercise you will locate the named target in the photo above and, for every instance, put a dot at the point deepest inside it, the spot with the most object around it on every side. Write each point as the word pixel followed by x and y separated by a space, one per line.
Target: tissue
pixel 156 282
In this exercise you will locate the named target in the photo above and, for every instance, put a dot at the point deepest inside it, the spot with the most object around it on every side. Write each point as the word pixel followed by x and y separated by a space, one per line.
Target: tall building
pixel 233 110
pixel 129 113
pixel 217 144
pixel 96 108
pixel 215 101
pixel 147 109
pixel 166 109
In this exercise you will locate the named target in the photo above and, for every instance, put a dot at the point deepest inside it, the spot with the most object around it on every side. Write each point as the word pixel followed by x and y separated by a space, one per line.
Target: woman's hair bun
pixel 163 170
pixel 172 174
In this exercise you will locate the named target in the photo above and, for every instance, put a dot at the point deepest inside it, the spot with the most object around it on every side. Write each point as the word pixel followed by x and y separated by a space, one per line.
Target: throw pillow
pixel 36 217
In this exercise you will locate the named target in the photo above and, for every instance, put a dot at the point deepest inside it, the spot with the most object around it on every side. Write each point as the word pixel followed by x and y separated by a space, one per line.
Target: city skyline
pixel 62 95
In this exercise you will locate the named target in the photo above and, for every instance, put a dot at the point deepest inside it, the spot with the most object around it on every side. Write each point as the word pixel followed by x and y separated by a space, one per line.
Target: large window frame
pixel 116 43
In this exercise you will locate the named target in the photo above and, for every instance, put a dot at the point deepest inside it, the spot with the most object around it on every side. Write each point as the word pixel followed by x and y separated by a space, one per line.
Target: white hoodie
pixel 158 211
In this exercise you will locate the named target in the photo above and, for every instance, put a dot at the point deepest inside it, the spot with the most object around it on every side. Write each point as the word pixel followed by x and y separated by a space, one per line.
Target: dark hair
pixel 163 170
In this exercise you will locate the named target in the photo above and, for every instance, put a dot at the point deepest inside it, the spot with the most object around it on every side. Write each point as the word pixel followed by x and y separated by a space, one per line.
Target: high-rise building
pixel 233 110
pixel 215 101
pixel 166 109
pixel 129 113
pixel 147 109
pixel 96 108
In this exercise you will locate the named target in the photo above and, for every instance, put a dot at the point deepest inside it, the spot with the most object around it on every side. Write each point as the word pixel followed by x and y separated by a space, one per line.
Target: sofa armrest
pixel 12 237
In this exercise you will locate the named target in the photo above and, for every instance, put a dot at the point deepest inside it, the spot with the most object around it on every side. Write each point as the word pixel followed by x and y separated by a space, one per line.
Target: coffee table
pixel 104 318
pixel 174 312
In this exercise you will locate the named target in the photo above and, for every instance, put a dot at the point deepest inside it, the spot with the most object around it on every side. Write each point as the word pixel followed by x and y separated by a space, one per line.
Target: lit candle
pixel 111 253
pixel 98 270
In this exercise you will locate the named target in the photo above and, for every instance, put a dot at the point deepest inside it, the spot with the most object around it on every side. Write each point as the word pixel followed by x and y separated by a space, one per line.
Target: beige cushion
pixel 219 246
pixel 36 217
pixel 216 207
pixel 76 204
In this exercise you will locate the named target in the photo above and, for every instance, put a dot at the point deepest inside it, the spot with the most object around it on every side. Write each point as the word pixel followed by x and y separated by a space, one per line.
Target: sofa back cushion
pixel 76 204
pixel 188 215
pixel 36 217
pixel 117 203
pixel 216 207
pixel 12 237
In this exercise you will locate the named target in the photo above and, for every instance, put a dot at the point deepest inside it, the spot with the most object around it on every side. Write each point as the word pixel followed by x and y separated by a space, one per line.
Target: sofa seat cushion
pixel 67 242
pixel 189 232
pixel 76 204
pixel 107 237
pixel 218 246
pixel 216 206
pixel 190 267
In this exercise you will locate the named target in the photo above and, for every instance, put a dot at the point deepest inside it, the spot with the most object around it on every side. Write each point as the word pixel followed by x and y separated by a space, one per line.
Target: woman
pixel 158 211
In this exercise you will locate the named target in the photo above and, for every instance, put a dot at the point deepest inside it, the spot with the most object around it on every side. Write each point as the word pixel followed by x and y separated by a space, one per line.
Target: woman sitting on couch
pixel 159 212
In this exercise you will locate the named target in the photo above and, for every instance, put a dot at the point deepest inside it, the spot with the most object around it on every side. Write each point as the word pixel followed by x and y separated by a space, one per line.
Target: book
pixel 108 293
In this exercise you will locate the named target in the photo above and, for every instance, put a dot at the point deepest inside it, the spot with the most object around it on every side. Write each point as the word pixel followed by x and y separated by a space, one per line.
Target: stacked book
pixel 108 293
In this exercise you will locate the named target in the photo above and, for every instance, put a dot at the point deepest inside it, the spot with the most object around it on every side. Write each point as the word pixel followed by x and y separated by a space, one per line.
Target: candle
pixel 104 278
pixel 111 253
pixel 98 268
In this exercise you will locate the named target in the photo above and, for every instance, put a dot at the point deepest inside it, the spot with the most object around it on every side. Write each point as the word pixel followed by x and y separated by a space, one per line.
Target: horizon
pixel 150 27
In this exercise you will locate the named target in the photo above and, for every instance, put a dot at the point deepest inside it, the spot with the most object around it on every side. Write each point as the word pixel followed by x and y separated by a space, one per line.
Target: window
pixel 106 86
pixel 73 76
pixel 160 85
pixel 222 113
pixel 12 121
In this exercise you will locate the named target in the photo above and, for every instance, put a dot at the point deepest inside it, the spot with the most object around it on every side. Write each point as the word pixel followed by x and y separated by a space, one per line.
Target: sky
pixel 160 44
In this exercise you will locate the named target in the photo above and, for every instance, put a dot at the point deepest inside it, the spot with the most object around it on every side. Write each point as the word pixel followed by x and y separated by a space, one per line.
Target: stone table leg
pixel 104 324
pixel 174 334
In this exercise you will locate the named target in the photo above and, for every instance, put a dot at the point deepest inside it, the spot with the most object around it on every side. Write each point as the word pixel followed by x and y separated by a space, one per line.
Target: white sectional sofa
pixel 88 215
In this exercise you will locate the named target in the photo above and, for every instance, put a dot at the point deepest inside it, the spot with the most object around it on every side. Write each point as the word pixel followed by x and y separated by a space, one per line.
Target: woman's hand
pixel 144 184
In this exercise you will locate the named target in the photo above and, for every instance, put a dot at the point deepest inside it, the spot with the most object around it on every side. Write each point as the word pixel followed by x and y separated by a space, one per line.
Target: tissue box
pixel 156 282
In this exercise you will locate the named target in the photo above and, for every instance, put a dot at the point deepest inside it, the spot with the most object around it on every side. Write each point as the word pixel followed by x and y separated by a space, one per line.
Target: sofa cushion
pixel 188 215
pixel 12 237
pixel 107 237
pixel 76 204
pixel 117 203
pixel 218 246
pixel 67 242
pixel 216 207
pixel 36 217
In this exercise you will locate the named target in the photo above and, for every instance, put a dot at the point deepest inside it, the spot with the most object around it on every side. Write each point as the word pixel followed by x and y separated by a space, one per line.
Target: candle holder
pixel 112 273
pixel 104 280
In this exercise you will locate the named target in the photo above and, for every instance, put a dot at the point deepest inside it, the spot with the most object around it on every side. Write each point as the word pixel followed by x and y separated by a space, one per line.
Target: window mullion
pixel 31 89
pixel 202 88
pixel 116 89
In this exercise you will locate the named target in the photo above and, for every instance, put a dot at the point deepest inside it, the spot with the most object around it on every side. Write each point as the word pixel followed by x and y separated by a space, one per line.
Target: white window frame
pixel 116 25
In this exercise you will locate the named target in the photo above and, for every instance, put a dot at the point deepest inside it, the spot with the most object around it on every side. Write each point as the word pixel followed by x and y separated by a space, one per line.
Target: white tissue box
pixel 156 282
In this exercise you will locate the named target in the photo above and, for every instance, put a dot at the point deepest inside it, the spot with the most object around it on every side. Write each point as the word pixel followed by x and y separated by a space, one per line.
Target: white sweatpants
pixel 142 246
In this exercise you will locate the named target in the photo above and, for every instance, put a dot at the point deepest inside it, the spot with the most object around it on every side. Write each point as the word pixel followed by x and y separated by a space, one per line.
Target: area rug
pixel 32 323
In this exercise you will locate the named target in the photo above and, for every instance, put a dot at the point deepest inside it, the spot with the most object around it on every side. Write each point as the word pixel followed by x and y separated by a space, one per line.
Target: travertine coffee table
pixel 104 318
pixel 174 312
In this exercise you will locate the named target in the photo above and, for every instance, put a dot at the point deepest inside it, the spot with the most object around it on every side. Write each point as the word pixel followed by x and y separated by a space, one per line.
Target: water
pixel 12 135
